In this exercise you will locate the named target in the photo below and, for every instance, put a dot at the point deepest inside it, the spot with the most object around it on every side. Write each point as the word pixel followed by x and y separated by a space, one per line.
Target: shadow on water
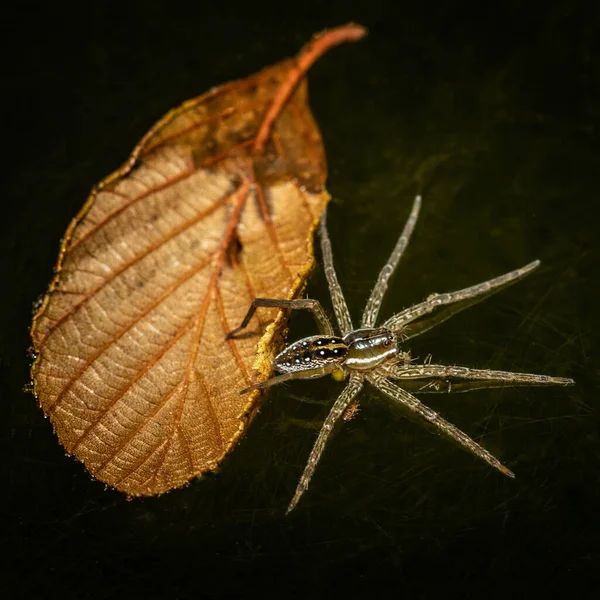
pixel 492 118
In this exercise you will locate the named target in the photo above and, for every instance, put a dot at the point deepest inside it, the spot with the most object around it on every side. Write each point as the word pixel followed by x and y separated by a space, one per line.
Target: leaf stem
pixel 320 44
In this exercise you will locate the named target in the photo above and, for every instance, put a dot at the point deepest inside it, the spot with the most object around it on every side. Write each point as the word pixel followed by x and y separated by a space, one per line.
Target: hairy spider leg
pixel 337 410
pixel 314 306
pixel 308 374
pixel 441 378
pixel 335 291
pixel 405 398
pixel 470 296
pixel 369 316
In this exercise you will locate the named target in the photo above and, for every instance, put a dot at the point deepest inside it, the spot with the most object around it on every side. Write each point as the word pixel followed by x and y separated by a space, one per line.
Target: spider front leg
pixel 373 305
pixel 441 378
pixel 455 301
pixel 409 401
pixel 306 304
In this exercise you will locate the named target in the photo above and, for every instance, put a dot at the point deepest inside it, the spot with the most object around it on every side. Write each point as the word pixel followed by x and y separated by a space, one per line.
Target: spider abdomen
pixel 311 353
pixel 369 348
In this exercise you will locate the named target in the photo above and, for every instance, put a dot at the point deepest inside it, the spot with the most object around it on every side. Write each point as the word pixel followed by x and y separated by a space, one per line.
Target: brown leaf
pixel 216 206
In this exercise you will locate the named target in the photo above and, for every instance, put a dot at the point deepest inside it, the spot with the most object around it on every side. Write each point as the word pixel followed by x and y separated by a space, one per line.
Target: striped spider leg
pixel 373 353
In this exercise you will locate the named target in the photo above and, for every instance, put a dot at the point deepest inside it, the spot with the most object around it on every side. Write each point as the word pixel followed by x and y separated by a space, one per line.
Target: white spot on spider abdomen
pixel 315 352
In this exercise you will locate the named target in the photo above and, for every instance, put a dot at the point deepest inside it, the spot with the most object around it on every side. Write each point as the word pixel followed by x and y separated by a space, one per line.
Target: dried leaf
pixel 216 206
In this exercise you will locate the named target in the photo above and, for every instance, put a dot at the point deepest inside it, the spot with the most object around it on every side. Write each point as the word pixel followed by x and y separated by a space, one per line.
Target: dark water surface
pixel 491 113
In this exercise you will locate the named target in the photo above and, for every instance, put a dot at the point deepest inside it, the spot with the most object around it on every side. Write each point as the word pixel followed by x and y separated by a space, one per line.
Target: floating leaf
pixel 216 206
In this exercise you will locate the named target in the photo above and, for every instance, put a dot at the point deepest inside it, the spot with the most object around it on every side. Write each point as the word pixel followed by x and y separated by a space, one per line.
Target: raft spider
pixel 373 353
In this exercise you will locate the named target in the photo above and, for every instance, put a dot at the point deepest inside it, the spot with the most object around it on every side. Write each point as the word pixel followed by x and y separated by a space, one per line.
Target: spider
pixel 374 354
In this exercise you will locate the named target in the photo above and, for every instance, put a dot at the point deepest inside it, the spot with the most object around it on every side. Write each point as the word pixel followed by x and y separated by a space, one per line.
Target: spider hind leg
pixel 298 304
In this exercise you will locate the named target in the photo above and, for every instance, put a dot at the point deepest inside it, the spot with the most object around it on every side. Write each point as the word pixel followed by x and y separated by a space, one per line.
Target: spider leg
pixel 308 304
pixel 335 291
pixel 403 397
pixel 337 410
pixel 371 311
pixel 467 297
pixel 308 374
pixel 440 378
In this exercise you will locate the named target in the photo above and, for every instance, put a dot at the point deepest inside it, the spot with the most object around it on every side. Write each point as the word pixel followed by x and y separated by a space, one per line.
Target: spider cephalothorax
pixel 373 353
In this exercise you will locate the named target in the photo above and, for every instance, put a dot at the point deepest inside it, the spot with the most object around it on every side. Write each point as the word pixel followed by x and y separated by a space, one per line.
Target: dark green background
pixel 491 110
